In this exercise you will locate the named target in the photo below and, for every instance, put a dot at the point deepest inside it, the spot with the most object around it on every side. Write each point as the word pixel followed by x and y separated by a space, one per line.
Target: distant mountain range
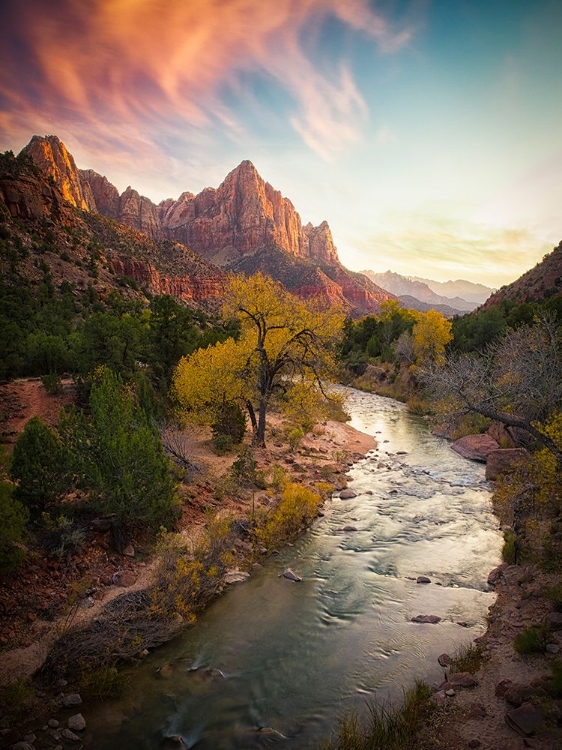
pixel 423 294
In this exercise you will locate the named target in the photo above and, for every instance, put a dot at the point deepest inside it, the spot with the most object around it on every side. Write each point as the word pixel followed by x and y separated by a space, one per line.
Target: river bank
pixel 90 582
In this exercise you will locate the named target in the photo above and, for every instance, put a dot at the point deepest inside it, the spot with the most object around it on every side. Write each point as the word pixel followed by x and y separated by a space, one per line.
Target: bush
pixel 52 384
pixel 509 549
pixel 387 728
pixel 531 640
pixel 467 658
pixel 13 518
pixel 230 422
pixel 39 466
pixel 120 458
pixel 296 510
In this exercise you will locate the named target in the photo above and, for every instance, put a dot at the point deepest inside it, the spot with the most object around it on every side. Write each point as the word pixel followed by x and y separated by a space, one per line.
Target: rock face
pixel 244 225
pixel 504 460
pixel 475 447
pixel 53 159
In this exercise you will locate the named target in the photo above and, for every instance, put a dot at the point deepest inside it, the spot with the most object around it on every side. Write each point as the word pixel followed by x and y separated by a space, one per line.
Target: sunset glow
pixel 427 133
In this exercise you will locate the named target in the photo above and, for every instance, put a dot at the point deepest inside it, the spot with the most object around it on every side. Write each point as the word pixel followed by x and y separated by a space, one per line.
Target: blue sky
pixel 426 133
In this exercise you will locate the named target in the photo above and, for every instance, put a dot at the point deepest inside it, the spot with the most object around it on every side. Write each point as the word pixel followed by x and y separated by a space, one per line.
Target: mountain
pixel 412 303
pixel 466 290
pixel 45 237
pixel 243 225
pixel 420 290
pixel 541 282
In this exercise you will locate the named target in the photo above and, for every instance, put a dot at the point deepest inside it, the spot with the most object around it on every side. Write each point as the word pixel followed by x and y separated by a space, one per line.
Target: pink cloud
pixel 141 62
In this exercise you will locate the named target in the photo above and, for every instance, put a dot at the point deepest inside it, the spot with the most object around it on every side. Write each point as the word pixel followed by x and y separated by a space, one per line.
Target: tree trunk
pixel 259 435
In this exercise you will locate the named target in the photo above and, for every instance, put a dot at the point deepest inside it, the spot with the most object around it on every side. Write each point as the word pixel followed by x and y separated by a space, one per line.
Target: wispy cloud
pixel 444 249
pixel 132 67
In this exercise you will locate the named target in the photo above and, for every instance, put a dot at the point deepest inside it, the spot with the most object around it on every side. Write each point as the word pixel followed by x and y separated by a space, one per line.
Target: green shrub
pixel 387 728
pixel 467 658
pixel 52 384
pixel 230 422
pixel 531 640
pixel 39 466
pixel 509 549
pixel 13 518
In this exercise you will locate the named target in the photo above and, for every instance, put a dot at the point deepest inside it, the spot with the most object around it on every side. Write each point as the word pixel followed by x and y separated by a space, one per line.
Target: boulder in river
pixel 423 579
pixel 288 573
pixel 347 494
pixel 235 576
pixel 475 447
pixel 431 619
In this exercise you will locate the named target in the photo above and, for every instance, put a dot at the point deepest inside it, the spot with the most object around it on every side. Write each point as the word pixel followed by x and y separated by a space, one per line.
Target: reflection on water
pixel 275 661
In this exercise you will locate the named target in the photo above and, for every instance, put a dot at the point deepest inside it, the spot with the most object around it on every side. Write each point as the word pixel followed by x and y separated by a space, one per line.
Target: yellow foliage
pixel 283 340
pixel 431 334
pixel 297 508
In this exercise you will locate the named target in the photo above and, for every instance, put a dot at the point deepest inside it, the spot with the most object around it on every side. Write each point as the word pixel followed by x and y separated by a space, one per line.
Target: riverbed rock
pixel 461 680
pixel 504 461
pixel 235 576
pixel 347 494
pixel 495 574
pixel 290 575
pixel 76 723
pixel 431 619
pixel 73 699
pixel 68 734
pixel 475 447
pixel 526 719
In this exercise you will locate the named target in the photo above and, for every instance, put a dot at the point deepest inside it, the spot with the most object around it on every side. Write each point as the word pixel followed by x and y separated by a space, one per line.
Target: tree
pixel 39 466
pixel 517 381
pixel 119 455
pixel 431 334
pixel 13 518
pixel 282 340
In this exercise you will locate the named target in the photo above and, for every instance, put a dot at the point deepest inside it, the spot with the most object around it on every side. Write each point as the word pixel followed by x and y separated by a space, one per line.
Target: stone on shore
pixel 504 461
pixel 475 447
pixel 76 723
pixel 526 719
pixel 495 574
pixel 235 576
pixel 461 680
pixel 73 699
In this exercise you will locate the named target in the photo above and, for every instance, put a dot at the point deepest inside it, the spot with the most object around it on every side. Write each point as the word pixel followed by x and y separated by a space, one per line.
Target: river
pixel 292 657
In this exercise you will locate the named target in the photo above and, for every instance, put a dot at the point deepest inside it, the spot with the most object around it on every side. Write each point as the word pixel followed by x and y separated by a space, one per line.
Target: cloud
pixel 160 67
pixel 445 249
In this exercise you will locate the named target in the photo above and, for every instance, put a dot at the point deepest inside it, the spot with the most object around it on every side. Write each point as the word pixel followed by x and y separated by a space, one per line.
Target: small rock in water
pixel 235 576
pixel 165 671
pixel 352 528
pixel 431 619
pixel 347 494
pixel 444 660
pixel 288 573
pixel 423 579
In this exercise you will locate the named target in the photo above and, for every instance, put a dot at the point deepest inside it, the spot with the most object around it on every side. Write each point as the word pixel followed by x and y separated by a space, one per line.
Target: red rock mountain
pixel 243 225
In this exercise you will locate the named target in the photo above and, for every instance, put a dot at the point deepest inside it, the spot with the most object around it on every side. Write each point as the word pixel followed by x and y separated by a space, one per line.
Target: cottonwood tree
pixel 283 340
pixel 516 381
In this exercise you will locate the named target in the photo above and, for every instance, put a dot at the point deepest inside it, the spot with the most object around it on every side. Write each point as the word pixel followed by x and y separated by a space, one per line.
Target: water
pixel 292 657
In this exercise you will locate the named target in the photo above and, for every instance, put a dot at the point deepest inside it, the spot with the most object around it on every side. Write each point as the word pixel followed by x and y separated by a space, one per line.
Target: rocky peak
pixel 52 157
pixel 139 213
pixel 105 195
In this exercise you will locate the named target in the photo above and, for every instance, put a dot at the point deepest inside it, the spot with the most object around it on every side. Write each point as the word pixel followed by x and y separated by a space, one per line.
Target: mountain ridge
pixel 226 225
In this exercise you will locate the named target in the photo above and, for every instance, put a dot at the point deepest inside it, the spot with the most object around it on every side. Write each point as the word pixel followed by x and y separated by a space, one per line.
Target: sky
pixel 426 132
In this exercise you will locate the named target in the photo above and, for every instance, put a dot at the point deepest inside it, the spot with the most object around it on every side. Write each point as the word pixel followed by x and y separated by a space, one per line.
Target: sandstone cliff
pixel 238 226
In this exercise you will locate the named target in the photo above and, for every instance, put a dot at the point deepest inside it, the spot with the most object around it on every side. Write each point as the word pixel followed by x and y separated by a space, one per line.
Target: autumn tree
pixel 516 381
pixel 283 341
pixel 431 334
